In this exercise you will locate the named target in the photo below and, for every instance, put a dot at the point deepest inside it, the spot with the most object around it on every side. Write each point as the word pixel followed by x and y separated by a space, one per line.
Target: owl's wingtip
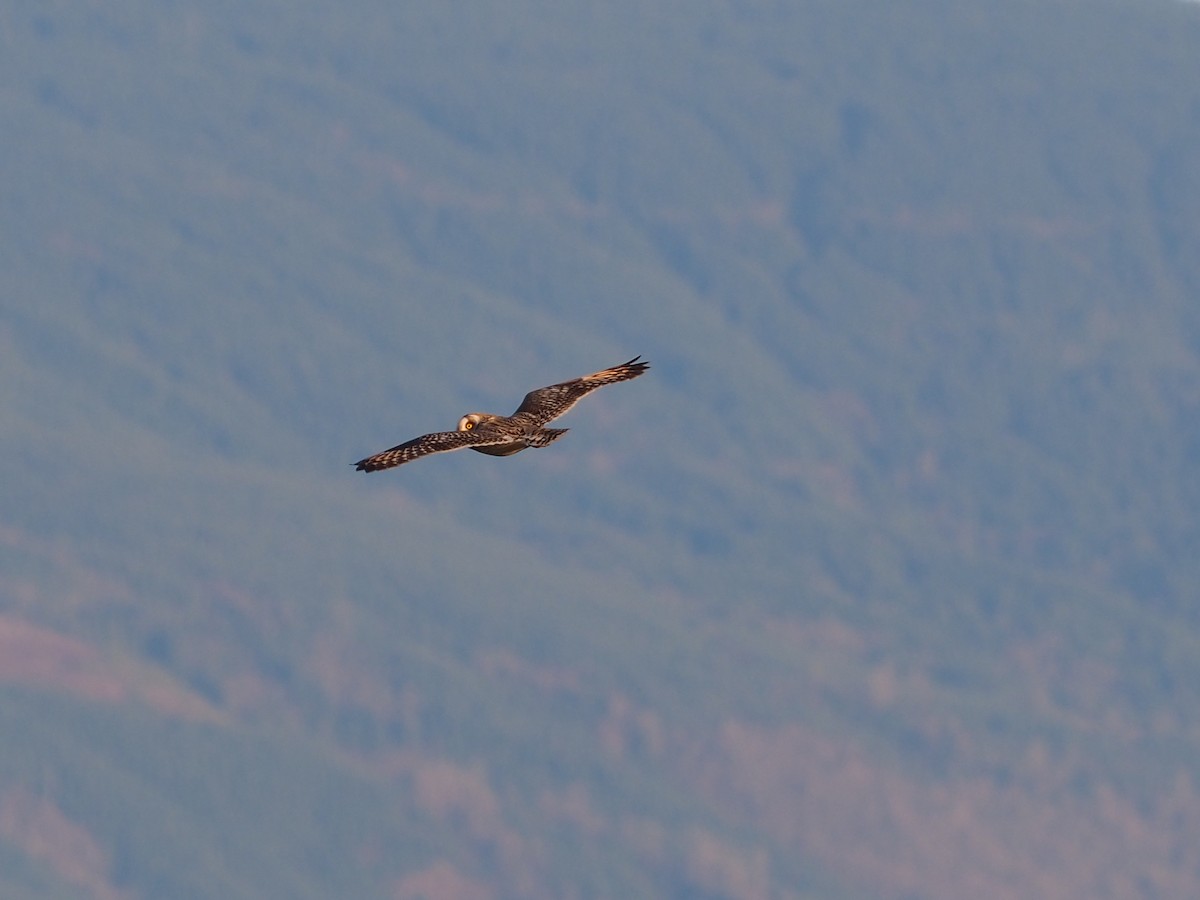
pixel 636 363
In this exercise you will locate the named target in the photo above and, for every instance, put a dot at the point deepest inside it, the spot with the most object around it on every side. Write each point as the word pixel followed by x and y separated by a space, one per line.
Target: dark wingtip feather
pixel 634 364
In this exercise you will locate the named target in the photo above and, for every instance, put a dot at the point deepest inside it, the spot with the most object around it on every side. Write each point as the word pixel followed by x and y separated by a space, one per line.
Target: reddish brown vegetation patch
pixel 39 657
pixel 44 832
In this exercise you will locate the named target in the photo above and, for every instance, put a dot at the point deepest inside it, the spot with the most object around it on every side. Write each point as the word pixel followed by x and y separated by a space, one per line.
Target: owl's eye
pixel 468 425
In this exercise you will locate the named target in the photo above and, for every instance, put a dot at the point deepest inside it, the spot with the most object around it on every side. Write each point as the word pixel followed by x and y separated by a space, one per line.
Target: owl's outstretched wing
pixel 551 402
pixel 426 445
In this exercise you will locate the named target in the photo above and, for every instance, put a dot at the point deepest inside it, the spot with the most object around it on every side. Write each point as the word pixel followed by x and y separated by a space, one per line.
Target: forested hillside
pixel 882 583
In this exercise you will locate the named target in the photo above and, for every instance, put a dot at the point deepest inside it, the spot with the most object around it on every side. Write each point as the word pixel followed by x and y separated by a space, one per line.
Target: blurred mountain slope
pixel 882 582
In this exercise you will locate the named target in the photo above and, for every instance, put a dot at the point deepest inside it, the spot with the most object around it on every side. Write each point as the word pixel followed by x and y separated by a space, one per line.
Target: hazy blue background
pixel 883 583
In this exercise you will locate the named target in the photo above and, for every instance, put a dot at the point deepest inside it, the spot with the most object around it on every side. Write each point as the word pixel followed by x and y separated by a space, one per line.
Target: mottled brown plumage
pixel 506 435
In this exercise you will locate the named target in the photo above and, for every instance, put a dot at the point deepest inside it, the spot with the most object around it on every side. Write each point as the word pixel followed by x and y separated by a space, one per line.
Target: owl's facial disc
pixel 469 421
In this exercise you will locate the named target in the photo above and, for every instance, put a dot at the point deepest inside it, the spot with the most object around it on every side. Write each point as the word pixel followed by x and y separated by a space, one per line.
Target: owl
pixel 506 435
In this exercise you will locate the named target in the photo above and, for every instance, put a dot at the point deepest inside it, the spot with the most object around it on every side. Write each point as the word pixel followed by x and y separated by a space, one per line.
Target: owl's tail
pixel 545 436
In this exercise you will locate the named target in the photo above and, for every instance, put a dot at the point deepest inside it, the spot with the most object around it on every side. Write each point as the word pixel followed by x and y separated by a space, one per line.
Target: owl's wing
pixel 551 402
pixel 426 445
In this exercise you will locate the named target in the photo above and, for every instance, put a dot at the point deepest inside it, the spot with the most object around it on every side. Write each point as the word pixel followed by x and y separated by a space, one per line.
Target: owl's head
pixel 472 420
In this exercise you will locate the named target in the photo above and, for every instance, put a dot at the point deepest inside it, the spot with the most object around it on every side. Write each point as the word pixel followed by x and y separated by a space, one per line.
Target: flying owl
pixel 506 435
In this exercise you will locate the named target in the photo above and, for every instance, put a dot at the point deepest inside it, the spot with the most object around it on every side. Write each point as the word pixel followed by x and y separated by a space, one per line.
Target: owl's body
pixel 521 431
pixel 506 435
